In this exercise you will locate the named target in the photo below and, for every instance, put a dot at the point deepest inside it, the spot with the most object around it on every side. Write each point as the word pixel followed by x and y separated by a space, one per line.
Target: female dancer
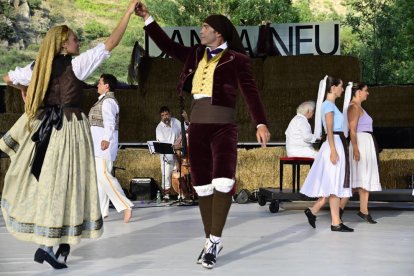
pixel 50 194
pixel 363 151
pixel 328 178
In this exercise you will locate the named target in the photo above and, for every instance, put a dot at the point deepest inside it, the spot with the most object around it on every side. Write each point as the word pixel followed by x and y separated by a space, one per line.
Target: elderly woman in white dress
pixel 50 193
pixel 299 136
pixel 363 151
pixel 328 178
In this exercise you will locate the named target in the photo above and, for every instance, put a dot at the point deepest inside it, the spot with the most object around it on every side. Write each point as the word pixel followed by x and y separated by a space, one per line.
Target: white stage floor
pixel 167 240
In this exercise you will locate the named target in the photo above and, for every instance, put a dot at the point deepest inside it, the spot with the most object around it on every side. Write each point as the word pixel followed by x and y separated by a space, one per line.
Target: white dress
pixel 324 178
pixel 364 173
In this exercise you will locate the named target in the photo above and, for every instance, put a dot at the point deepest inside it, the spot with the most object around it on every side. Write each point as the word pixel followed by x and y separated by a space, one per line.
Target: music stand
pixel 156 147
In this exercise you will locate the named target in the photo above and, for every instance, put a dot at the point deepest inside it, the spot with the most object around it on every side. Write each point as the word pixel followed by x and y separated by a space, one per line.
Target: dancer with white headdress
pixel 363 149
pixel 329 175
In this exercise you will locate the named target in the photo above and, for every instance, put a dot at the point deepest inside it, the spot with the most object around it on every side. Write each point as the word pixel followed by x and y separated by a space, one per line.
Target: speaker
pixel 143 188
pixel 243 196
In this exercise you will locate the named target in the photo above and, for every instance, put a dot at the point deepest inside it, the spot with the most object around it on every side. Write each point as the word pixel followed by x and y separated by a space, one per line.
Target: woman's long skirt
pixel 63 206
pixel 324 178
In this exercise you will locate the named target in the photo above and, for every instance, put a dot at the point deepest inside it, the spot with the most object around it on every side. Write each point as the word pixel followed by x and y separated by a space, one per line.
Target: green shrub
pixel 95 30
pixel 57 19
pixel 35 4
pixel 6 32
pixel 131 36
pixel 10 59
pixel 7 10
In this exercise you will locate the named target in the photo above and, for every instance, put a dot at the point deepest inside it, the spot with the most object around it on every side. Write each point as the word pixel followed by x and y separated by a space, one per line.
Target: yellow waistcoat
pixel 203 76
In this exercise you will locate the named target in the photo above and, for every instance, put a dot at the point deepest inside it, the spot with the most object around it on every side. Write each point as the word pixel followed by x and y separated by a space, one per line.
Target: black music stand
pixel 156 147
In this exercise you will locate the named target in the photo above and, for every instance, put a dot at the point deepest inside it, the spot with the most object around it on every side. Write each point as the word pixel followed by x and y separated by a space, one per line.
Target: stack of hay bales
pixel 284 82
pixel 259 168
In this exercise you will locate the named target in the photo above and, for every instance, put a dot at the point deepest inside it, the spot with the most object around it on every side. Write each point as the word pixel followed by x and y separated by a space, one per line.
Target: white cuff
pixel 259 125
pixel 149 20
pixel 21 75
pixel 223 184
pixel 204 190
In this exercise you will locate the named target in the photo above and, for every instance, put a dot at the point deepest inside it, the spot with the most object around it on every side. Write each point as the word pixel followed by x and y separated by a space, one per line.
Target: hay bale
pixel 137 163
pixel 396 167
pixel 7 120
pixel 391 106
pixel 257 168
pixel 284 82
pixel 13 100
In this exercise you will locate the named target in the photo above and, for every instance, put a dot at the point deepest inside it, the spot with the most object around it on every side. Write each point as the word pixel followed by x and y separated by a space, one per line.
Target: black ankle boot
pixel 64 250
pixel 367 217
pixel 311 217
pixel 41 256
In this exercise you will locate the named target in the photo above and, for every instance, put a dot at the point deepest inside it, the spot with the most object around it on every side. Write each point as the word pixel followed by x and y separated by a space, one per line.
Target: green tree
pixel 384 30
pixel 306 14
pixel 248 12
pixel 367 18
pixel 404 17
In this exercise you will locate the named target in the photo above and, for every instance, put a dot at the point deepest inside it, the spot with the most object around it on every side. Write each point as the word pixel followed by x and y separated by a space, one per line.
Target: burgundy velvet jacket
pixel 232 72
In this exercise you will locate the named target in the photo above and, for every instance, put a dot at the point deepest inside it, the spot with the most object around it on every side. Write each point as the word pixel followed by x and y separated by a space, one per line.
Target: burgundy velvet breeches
pixel 212 152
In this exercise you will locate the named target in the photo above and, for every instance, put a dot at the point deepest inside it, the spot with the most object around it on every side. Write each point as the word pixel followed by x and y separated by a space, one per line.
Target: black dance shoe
pixel 341 228
pixel 210 254
pixel 311 217
pixel 64 250
pixel 41 256
pixel 202 253
pixel 201 256
pixel 367 218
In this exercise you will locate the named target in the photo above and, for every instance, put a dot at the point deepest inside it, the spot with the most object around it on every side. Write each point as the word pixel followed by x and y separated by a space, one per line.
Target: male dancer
pixel 213 72
pixel 104 120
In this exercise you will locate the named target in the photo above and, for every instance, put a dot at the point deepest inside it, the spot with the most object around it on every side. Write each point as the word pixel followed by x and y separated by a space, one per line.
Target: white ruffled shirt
pixel 83 65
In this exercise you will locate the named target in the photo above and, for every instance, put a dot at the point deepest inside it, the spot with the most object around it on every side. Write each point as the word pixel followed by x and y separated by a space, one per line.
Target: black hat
pixel 223 25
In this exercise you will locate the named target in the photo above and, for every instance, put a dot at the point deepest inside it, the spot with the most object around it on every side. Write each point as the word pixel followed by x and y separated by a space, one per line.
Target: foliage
pixel 6 32
pixel 132 35
pixel 117 64
pixel 304 10
pixel 306 14
pixel 18 58
pixel 35 4
pixel 102 9
pixel 7 10
pixel 248 12
pixel 94 30
pixel 382 28
pixel 379 32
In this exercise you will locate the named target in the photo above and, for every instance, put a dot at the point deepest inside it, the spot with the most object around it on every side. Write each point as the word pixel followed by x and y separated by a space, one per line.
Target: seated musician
pixel 299 137
pixel 169 131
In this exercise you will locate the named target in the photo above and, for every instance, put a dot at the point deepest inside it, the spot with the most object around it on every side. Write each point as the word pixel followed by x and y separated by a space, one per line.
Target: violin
pixel 181 178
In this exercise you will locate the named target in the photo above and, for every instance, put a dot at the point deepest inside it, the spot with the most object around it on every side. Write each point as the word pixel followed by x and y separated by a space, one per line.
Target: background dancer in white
pixel 104 120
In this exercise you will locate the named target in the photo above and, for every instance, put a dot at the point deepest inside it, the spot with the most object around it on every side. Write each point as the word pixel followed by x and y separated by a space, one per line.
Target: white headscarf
pixel 317 132
pixel 347 100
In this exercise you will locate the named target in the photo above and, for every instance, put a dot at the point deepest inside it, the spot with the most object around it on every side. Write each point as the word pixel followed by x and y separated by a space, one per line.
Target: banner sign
pixel 320 38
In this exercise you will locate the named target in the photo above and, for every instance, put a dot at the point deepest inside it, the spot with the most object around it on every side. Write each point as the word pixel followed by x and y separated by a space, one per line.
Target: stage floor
pixel 167 240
